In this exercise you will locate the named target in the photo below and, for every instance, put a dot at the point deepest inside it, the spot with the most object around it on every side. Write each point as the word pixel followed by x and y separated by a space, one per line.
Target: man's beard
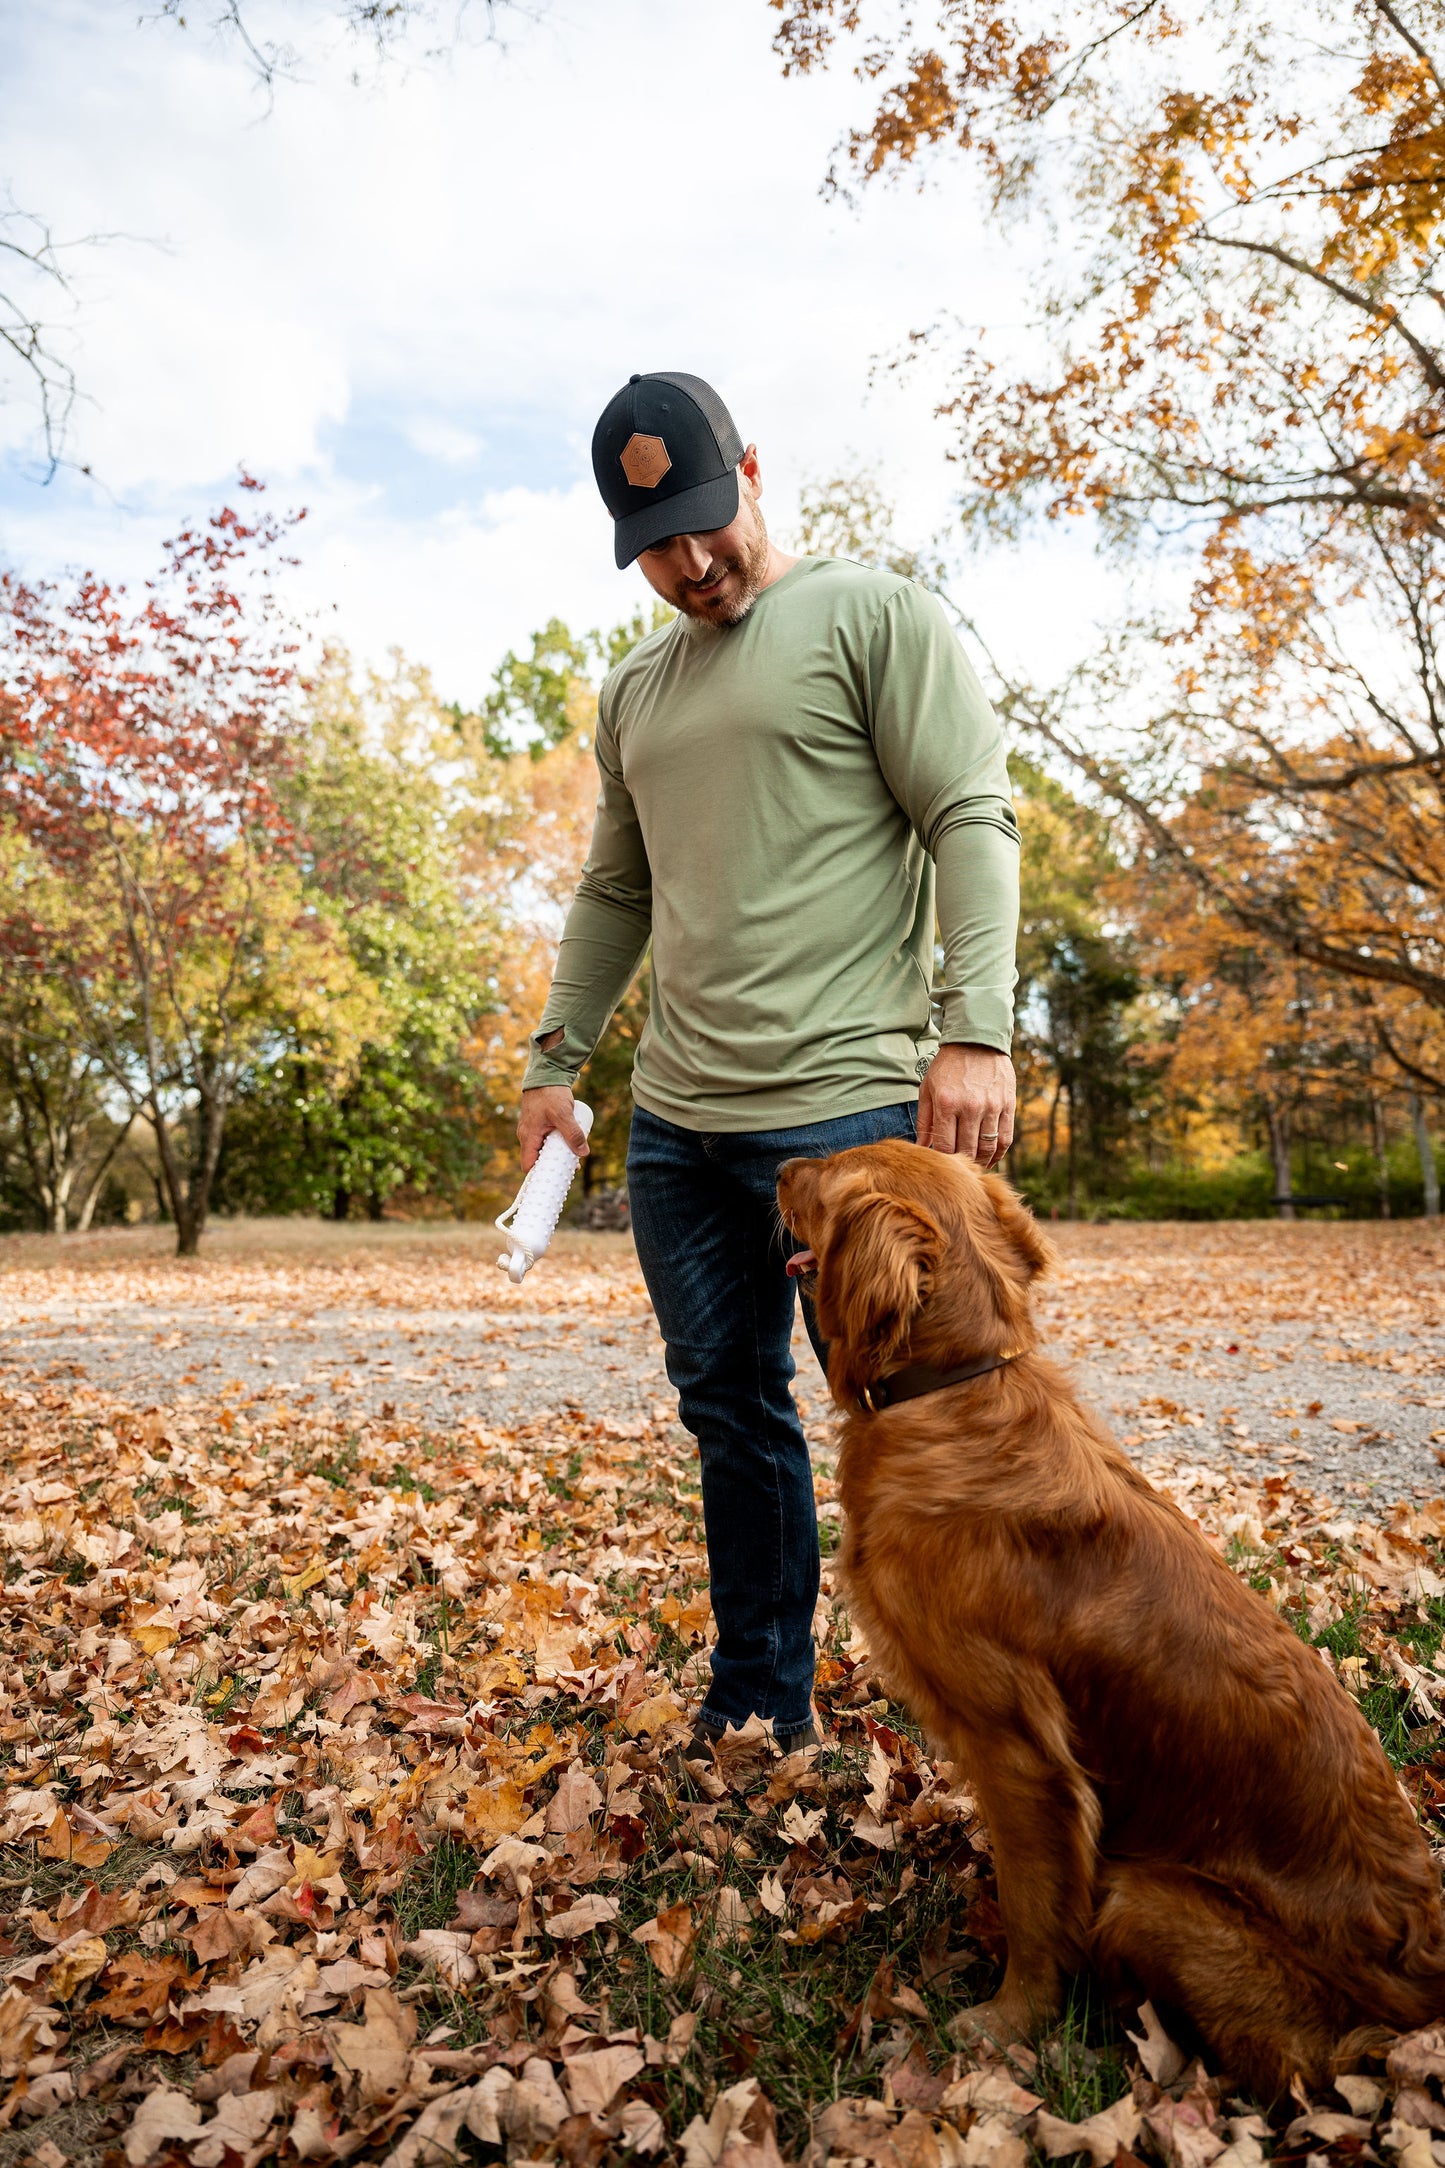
pixel 751 566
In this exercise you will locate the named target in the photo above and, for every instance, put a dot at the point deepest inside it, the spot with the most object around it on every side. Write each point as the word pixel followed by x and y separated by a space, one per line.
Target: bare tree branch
pixel 1382 311
pixel 1403 31
pixel 25 240
pixel 1403 1061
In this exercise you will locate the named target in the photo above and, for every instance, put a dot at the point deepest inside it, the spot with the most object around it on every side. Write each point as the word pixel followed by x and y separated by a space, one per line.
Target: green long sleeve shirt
pixel 774 800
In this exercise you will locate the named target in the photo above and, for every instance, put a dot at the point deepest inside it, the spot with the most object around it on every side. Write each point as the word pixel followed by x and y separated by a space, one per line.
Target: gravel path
pixel 1318 1349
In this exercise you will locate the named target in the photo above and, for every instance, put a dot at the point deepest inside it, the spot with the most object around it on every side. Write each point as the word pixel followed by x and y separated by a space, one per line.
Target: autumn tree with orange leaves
pixel 1242 368
pixel 153 886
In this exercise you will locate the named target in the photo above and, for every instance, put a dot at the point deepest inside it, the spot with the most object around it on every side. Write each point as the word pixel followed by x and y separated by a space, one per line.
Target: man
pixel 778 765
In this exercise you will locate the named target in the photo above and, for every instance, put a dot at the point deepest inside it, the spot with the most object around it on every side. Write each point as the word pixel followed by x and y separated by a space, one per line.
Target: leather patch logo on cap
pixel 645 461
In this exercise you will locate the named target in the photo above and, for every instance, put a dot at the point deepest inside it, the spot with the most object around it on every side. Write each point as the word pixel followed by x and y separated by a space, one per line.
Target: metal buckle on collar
pixel 869 1401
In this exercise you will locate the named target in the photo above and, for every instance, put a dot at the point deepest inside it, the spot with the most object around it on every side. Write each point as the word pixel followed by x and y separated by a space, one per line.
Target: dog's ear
pixel 873 1273
pixel 1020 1227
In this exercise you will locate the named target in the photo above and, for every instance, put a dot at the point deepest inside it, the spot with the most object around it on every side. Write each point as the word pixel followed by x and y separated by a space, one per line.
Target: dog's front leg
pixel 1043 1820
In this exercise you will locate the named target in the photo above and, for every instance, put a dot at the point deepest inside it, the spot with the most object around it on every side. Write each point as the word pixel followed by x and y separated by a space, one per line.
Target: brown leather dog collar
pixel 916 1379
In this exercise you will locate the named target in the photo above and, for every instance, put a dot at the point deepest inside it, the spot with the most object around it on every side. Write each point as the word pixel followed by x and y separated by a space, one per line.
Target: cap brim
pixel 691 511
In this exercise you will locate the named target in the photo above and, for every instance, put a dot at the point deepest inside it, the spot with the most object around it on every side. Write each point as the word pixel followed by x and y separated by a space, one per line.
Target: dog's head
pixel 920 1257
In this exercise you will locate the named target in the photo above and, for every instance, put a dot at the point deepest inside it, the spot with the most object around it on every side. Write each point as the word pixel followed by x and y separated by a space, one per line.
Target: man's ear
pixel 872 1279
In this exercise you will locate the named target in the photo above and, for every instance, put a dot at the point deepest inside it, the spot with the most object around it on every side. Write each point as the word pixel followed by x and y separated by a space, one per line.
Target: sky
pixel 402 294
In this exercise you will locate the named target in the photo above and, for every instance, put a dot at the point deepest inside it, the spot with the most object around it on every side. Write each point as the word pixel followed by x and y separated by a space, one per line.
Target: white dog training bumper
pixel 528 1223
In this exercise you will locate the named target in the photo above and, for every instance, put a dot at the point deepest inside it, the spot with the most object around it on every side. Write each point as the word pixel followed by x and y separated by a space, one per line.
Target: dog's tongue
pixel 800 1262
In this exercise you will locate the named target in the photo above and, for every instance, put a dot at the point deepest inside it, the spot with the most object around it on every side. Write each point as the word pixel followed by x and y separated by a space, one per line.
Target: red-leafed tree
pixel 155 888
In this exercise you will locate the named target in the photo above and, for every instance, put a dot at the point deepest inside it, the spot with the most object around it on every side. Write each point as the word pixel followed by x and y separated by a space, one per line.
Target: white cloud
pixel 443 441
pixel 457 589
pixel 405 303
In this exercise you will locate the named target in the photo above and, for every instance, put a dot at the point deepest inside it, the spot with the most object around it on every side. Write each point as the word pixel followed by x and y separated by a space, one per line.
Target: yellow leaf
pixel 300 1583
pixel 498 1675
pixel 74 1966
pixel 312 1866
pixel 497 1811
pixel 152 1639
pixel 653 1715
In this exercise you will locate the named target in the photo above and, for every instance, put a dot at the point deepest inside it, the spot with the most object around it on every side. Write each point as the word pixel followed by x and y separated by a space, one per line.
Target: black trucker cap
pixel 665 454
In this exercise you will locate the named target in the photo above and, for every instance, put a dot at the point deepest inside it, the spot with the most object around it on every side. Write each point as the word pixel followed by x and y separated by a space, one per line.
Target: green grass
pixel 342 1466
pixel 1081 2066
pixel 428 1895
pixel 405 1479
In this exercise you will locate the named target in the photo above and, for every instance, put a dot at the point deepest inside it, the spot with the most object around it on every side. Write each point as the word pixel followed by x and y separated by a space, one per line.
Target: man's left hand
pixel 966 1103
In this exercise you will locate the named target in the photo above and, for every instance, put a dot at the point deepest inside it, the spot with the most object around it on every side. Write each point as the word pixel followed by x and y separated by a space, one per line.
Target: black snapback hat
pixel 665 454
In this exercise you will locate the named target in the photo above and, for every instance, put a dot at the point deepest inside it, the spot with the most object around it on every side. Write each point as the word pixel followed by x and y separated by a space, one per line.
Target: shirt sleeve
pixel 607 931
pixel 941 751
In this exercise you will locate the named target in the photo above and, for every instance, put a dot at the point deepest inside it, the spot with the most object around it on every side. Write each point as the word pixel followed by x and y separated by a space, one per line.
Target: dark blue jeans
pixel 705 1219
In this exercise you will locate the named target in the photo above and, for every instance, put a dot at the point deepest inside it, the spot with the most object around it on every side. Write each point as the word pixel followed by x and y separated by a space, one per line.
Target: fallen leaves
pixel 341 1768
pixel 582 1918
pixel 668 1939
pixel 1113 2130
pixel 375 2056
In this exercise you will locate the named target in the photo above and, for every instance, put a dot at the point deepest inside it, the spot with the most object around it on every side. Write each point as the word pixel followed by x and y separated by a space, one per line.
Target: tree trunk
pixel 1279 1154
pixel 92 1195
pixel 1424 1145
pixel 1073 1157
pixel 190 1193
pixel 1382 1163
pixel 1053 1138
pixel 341 1203
pixel 375 1205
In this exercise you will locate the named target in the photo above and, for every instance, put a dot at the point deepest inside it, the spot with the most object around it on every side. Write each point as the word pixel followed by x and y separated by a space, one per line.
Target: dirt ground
pixel 1319 1349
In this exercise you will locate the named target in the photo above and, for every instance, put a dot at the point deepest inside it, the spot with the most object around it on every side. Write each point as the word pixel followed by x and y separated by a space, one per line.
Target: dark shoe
pixel 696 1748
pixel 702 1745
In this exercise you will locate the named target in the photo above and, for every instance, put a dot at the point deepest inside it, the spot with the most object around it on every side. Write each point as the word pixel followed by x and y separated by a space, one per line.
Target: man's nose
pixel 695 558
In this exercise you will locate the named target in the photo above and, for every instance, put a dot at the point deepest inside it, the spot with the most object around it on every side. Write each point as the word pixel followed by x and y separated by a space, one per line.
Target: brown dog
pixel 1179 1793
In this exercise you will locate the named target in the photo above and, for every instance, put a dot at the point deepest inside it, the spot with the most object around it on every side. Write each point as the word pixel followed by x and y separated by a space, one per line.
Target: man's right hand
pixel 545 1108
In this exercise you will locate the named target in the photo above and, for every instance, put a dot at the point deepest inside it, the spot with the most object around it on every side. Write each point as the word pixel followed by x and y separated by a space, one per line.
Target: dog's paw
pixel 992 2022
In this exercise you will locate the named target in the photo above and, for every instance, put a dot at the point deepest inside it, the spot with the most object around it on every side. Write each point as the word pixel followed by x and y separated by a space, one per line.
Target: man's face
pixel 715 577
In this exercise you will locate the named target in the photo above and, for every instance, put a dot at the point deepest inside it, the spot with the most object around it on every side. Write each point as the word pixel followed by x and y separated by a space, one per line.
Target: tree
pixel 36 280
pixel 850 514
pixel 535 783
pixel 382 831
pixel 1242 364
pixel 1081 1084
pixel 145 751
pixel 58 1138
pixel 381 24
pixel 1248 1035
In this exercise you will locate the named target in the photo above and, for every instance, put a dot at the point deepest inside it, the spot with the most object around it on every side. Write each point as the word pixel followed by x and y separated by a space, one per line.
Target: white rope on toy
pixel 531 1219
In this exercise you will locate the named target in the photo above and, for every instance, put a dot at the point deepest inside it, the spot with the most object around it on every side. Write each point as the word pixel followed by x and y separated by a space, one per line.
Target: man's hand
pixel 545 1108
pixel 966 1103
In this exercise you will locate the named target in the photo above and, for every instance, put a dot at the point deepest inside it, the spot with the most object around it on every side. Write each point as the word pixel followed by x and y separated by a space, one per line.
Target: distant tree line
pixel 275 930
pixel 272 930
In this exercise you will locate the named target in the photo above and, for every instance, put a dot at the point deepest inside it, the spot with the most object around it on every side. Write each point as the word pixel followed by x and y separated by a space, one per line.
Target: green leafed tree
pixel 384 829
pixel 538 704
